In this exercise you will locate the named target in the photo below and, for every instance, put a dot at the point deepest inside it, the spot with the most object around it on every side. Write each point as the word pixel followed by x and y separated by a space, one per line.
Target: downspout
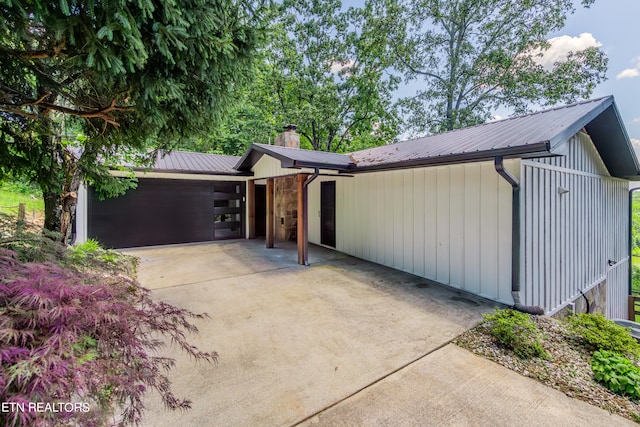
pixel 305 213
pixel 631 191
pixel 515 240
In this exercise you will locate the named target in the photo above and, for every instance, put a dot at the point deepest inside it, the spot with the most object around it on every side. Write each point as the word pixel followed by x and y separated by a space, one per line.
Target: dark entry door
pixel 261 210
pixel 328 213
pixel 228 210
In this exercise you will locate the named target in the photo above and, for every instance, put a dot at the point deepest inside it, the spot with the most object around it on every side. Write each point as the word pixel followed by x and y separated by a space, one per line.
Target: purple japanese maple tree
pixel 72 336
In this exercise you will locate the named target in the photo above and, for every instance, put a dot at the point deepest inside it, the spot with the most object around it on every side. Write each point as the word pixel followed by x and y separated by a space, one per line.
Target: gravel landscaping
pixel 566 369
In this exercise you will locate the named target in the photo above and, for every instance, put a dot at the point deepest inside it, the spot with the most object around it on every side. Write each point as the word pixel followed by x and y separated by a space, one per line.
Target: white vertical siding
pixel 472 228
pixel 617 290
pixel 451 224
pixel 568 237
pixel 82 215
pixel 268 166
pixel 443 192
pixel 580 155
pixel 456 225
pixel 616 236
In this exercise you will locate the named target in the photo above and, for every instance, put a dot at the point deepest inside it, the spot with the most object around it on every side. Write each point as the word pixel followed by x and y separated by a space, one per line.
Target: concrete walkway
pixel 343 342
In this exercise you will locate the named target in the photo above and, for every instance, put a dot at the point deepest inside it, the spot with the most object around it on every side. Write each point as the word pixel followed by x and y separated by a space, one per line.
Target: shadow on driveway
pixel 341 343
pixel 292 340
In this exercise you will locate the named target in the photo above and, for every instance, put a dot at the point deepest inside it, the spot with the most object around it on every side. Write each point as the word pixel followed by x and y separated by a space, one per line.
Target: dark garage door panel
pixel 157 212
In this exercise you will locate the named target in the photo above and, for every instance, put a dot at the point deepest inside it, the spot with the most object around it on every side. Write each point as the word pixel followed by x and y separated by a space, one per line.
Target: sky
pixel 613 26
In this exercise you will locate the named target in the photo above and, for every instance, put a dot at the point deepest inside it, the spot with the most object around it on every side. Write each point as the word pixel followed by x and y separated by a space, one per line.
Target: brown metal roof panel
pixel 521 131
pixel 294 157
pixel 195 162
pixel 311 156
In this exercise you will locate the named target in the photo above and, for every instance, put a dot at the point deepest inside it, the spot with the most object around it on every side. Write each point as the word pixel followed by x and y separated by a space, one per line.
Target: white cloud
pixel 561 46
pixel 636 143
pixel 338 66
pixel 636 120
pixel 496 118
pixel 630 72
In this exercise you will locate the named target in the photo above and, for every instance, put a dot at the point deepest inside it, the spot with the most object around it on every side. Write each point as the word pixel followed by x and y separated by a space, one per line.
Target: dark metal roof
pixel 537 134
pixel 198 163
pixel 294 158
pixel 544 133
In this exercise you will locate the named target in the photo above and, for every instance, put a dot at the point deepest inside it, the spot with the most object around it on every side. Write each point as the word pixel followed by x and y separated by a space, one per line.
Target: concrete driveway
pixel 343 342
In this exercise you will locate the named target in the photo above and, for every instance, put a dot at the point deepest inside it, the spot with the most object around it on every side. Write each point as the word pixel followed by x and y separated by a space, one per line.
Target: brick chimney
pixel 288 138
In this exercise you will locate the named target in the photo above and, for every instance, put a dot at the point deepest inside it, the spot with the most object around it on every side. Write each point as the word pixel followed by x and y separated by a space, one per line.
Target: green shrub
pixel 516 331
pixel 82 251
pixel 22 187
pixel 92 254
pixel 617 373
pixel 600 333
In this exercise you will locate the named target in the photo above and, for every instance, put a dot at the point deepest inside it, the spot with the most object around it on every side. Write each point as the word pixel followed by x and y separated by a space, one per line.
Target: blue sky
pixel 614 24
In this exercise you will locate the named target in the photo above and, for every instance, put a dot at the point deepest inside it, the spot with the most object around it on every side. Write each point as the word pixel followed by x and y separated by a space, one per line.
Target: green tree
pixel 635 224
pixel 473 56
pixel 248 119
pixel 82 81
pixel 323 72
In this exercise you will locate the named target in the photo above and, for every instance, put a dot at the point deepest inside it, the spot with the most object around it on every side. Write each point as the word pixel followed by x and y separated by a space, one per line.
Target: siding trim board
pixel 562 169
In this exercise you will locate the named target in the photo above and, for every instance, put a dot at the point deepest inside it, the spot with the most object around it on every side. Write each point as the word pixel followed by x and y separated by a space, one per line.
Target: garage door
pixel 163 211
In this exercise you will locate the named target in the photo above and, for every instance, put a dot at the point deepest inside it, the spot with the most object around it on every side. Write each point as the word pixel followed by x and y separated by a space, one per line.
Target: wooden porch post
pixel 251 208
pixel 302 218
pixel 270 214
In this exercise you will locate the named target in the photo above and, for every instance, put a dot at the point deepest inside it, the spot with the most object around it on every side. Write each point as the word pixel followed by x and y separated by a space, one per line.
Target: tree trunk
pixel 69 202
pixel 60 199
pixel 52 209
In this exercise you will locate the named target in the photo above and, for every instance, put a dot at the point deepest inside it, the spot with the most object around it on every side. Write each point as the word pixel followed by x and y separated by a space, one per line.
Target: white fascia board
pixel 187 176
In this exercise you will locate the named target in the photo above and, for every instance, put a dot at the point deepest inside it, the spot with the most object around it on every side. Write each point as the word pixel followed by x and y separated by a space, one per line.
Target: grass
pixel 10 198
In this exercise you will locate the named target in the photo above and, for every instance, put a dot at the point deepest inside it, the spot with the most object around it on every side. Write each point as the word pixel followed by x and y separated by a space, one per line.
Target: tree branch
pixel 102 113
pixel 35 54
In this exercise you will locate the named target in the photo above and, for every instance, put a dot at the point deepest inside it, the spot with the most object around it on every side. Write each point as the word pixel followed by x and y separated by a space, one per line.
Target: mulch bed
pixel 567 368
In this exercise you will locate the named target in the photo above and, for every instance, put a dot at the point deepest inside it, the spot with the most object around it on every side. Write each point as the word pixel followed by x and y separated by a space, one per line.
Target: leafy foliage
pixel 635 224
pixel 324 72
pixel 249 119
pixel 516 331
pixel 18 186
pixel 80 333
pixel 85 81
pixel 475 55
pixel 617 373
pixel 91 255
pixel 600 333
pixel 635 278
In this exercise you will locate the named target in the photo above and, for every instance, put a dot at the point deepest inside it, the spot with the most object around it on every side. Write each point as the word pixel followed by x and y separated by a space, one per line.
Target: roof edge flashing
pixel 540 149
